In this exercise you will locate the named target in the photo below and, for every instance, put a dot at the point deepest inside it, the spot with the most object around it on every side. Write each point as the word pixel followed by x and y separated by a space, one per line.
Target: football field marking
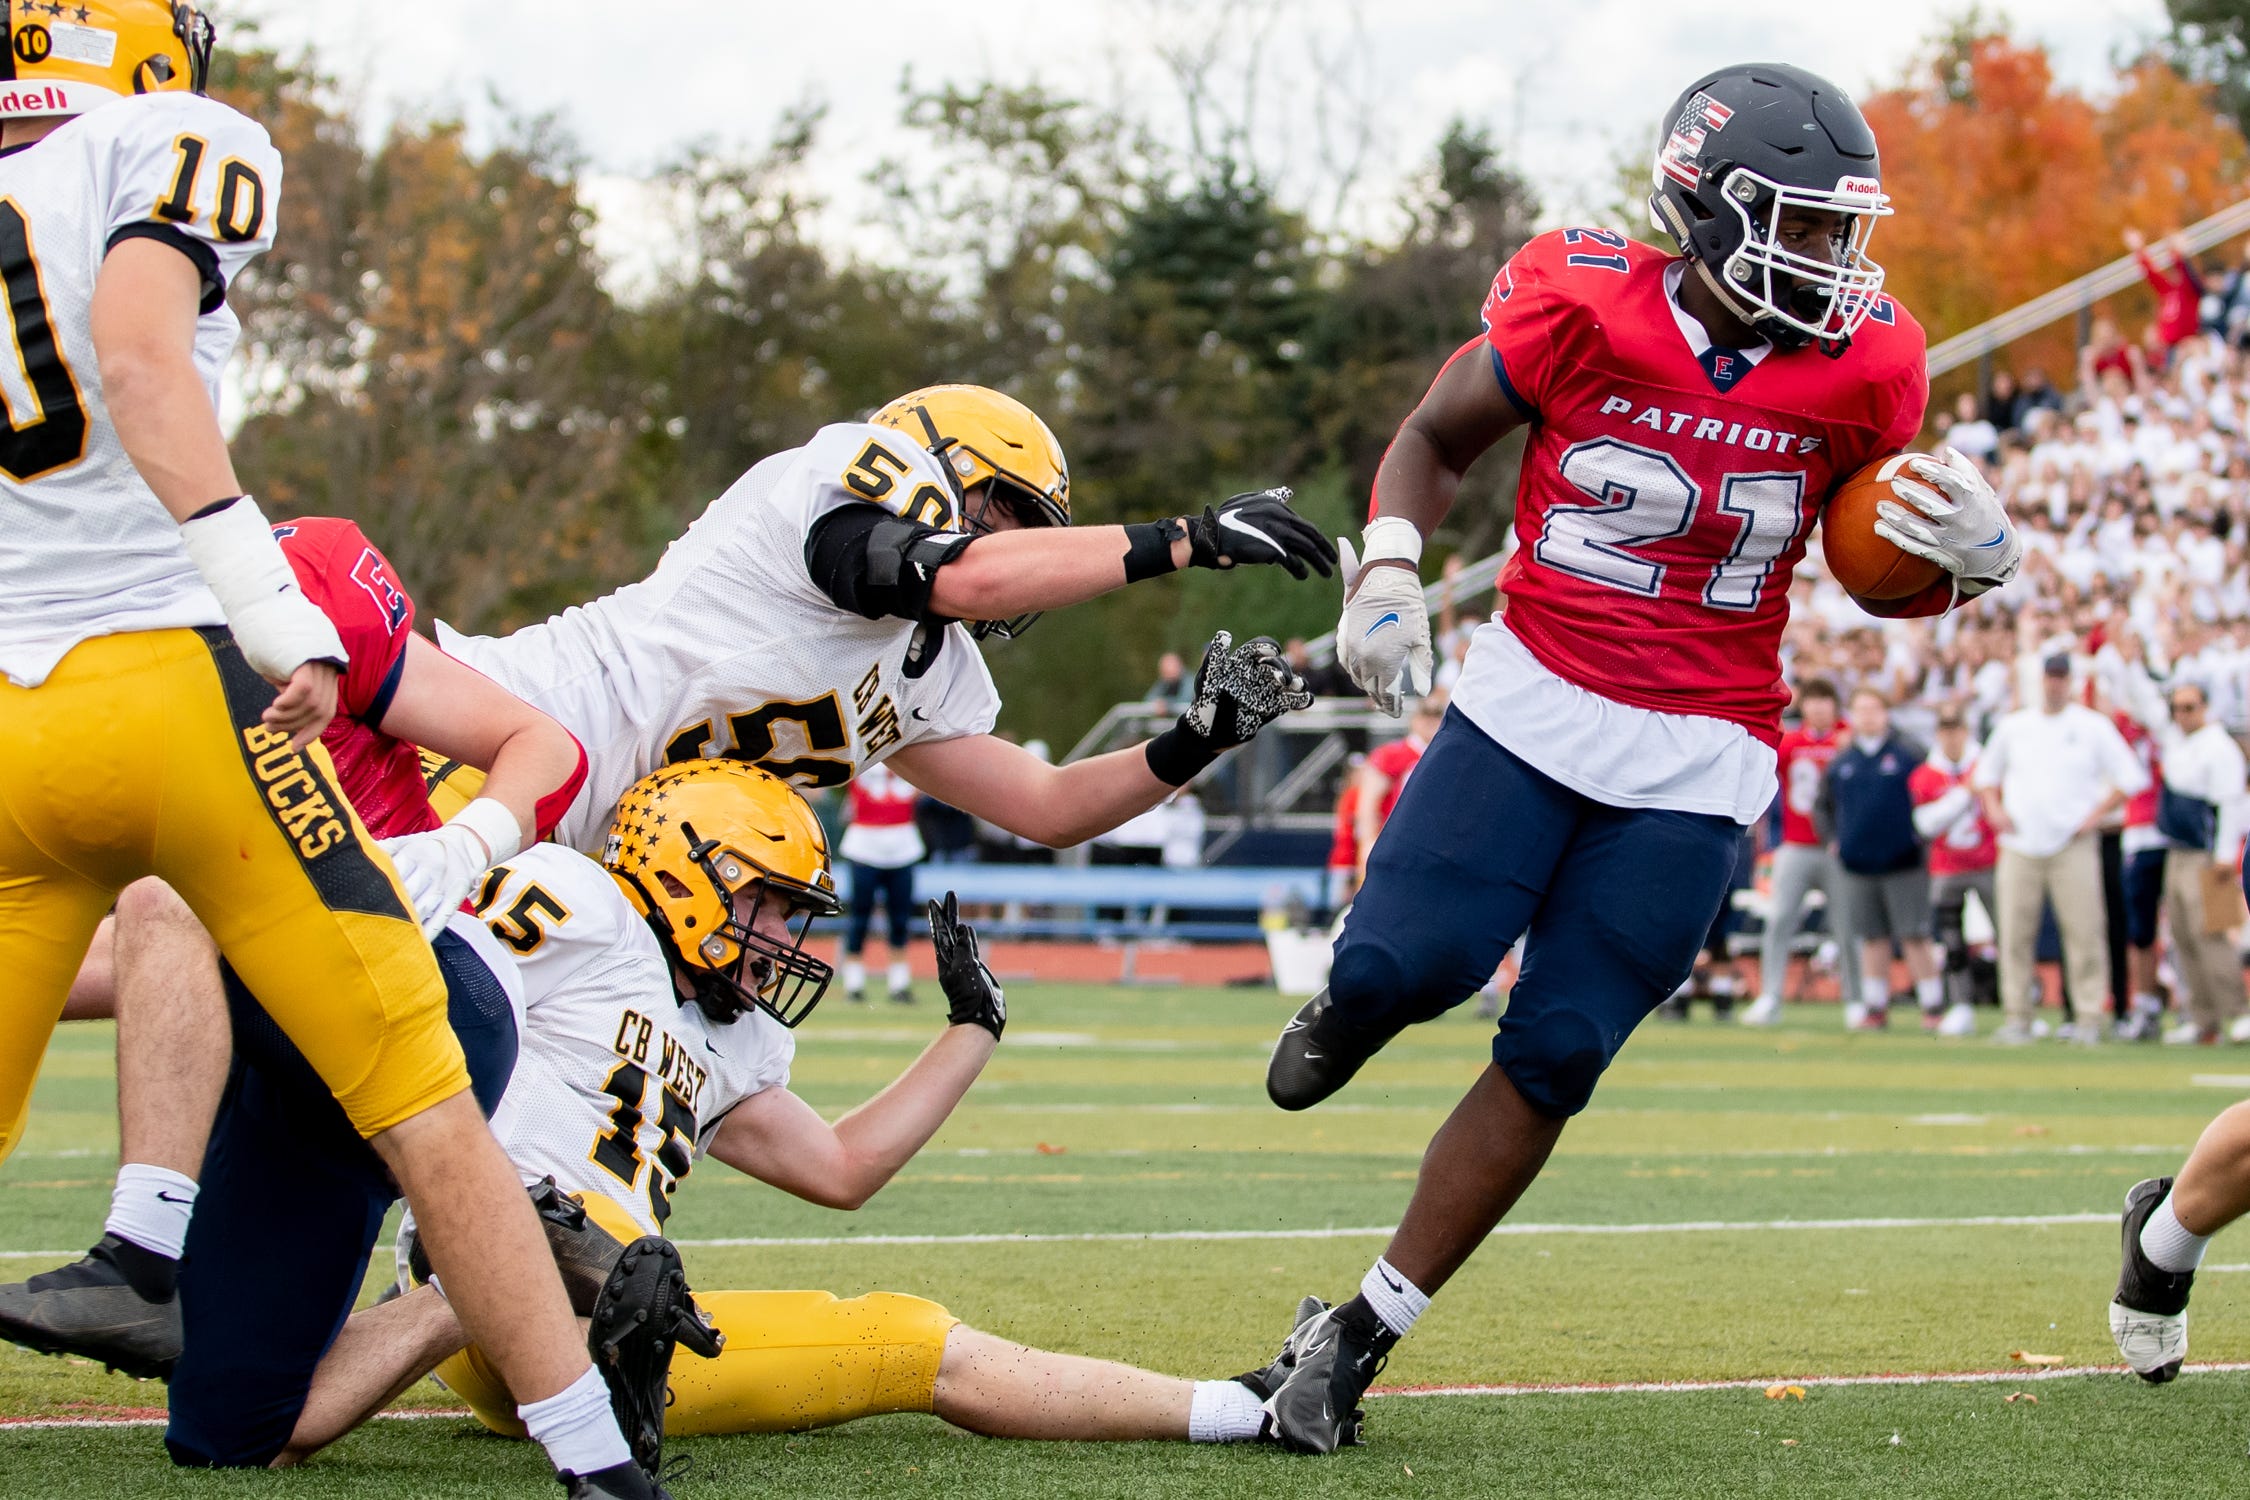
pixel 1331 1232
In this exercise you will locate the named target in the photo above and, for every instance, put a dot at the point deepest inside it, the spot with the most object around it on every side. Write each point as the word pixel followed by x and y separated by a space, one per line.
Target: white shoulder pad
pixel 555 910
pixel 193 171
pixel 861 463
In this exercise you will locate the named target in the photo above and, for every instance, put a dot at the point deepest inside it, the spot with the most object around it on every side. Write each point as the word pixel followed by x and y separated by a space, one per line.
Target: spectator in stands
pixel 2003 403
pixel 1802 863
pixel 2203 775
pixel 1325 681
pixel 948 833
pixel 1344 863
pixel 1173 687
pixel 2038 394
pixel 1383 777
pixel 880 848
pixel 2171 274
pixel 2049 777
pixel 2106 353
pixel 1970 431
pixel 2141 883
pixel 1962 853
pixel 1865 812
pixel 2234 303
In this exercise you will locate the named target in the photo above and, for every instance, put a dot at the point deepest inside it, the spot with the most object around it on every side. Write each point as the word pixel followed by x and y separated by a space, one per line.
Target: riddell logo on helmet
pixel 1858 187
pixel 33 101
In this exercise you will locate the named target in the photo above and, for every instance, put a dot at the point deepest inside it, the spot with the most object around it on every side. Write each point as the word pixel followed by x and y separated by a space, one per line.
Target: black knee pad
pixel 1555 1061
pixel 1373 983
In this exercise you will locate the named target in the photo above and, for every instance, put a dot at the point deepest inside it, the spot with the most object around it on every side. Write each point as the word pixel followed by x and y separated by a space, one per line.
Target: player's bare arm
pixel 1238 691
pixel 146 304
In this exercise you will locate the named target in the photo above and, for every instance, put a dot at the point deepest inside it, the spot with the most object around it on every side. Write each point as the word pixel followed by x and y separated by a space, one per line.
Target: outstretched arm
pixel 456 711
pixel 777 1137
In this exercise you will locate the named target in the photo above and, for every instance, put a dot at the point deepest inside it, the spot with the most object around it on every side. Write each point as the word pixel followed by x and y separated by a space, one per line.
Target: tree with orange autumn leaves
pixel 2008 185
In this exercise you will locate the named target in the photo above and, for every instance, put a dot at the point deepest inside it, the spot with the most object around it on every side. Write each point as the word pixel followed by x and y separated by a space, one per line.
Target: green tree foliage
pixel 432 352
pixel 2210 43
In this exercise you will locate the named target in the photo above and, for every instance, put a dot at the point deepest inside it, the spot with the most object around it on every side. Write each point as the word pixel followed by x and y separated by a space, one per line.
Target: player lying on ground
pixel 811 621
pixel 644 1050
pixel 1614 731
pixel 2169 1222
pixel 141 592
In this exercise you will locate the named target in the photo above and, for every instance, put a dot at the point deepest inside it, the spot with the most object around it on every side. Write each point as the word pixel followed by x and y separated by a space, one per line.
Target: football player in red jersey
pixel 1803 864
pixel 1614 730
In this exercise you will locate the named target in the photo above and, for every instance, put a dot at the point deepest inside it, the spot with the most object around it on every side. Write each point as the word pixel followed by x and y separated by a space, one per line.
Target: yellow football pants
pixel 793 1361
pixel 143 754
pixel 452 786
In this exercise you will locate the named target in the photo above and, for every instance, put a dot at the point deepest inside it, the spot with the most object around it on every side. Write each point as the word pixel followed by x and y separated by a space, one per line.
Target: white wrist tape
pixel 277 627
pixel 1391 539
pixel 492 822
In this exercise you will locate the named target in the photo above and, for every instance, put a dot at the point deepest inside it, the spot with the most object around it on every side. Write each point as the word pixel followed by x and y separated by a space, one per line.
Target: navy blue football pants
pixel 896 886
pixel 291 1205
pixel 1482 849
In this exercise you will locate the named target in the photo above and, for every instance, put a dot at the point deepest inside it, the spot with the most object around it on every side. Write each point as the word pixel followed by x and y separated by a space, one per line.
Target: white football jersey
pixel 89 551
pixel 730 648
pixel 618 1086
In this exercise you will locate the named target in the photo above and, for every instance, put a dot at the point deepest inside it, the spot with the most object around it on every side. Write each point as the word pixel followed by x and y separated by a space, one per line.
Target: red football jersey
pixel 1800 763
pixel 1967 846
pixel 2140 809
pixel 1666 497
pixel 340 570
pixel 1396 761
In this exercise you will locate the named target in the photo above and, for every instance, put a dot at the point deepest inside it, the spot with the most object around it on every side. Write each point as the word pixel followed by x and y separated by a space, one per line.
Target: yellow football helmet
pixel 70 58
pixel 685 840
pixel 991 439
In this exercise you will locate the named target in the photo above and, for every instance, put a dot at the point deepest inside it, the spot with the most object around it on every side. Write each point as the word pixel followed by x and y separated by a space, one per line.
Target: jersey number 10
pixel 57 438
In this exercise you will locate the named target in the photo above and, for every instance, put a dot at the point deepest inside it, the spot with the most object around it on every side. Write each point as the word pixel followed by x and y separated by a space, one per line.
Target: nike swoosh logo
pixel 1233 522
pixel 1389 619
pixel 1997 538
pixel 925 718
pixel 1312 1056
pixel 1396 1286
pixel 164 1197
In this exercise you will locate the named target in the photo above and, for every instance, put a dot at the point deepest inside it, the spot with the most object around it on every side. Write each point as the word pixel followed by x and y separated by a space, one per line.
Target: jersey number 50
pixel 1637 496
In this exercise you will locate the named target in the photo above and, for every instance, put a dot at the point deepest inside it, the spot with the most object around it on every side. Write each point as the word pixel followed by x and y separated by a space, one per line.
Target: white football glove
pixel 439 868
pixel 1383 639
pixel 1955 521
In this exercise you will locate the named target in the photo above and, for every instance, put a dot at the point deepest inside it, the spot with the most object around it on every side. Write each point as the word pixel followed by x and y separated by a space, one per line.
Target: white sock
pixel 1722 985
pixel 855 976
pixel 1397 1301
pixel 1224 1411
pixel 2167 1244
pixel 902 976
pixel 150 1206
pixel 1929 993
pixel 2148 1005
pixel 577 1428
pixel 1875 991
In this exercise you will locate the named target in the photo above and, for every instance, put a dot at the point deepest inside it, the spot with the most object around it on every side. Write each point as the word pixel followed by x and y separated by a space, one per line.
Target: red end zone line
pixel 153 1416
pixel 1627 1387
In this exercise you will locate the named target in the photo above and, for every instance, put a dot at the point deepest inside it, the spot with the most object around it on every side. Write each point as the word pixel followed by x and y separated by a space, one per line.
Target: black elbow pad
pixel 876 565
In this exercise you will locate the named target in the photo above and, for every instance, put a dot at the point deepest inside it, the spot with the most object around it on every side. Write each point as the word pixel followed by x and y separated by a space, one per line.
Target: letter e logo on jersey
pixel 370 575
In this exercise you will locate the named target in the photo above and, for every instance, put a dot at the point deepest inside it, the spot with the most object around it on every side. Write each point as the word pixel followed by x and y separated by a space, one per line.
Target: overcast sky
pixel 1563 84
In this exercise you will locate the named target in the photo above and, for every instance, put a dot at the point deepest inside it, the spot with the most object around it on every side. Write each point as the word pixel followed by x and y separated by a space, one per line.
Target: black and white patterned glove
pixel 972 996
pixel 1259 527
pixel 1239 690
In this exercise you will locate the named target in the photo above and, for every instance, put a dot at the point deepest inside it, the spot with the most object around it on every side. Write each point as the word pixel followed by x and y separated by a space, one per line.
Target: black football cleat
pixel 89 1309
pixel 618 1482
pixel 1263 1383
pixel 1318 1054
pixel 1331 1359
pixel 637 1318
pixel 2148 1315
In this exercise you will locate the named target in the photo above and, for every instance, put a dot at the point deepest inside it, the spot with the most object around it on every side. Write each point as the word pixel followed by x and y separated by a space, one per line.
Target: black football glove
pixel 1239 690
pixel 1259 527
pixel 972 996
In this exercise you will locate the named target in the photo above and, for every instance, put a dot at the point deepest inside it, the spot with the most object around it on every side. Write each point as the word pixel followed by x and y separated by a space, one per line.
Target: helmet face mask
pixel 1748 147
pixel 701 848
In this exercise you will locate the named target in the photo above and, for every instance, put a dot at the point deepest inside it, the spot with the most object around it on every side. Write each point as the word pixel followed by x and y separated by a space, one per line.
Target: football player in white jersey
pixel 819 617
pixel 147 616
pixel 659 996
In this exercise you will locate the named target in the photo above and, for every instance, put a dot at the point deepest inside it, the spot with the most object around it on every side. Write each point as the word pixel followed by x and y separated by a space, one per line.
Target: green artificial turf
pixel 1665 1243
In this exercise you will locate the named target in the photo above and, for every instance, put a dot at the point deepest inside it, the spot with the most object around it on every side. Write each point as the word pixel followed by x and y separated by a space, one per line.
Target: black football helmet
pixel 1742 145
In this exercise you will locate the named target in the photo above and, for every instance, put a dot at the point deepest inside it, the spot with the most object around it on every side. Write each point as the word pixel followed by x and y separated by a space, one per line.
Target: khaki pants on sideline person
pixel 2072 879
pixel 2208 965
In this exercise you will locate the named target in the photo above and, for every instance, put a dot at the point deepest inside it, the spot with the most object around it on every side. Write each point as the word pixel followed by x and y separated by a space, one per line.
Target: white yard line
pixel 1970 1377
pixel 1373 1231
pixel 41 1424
